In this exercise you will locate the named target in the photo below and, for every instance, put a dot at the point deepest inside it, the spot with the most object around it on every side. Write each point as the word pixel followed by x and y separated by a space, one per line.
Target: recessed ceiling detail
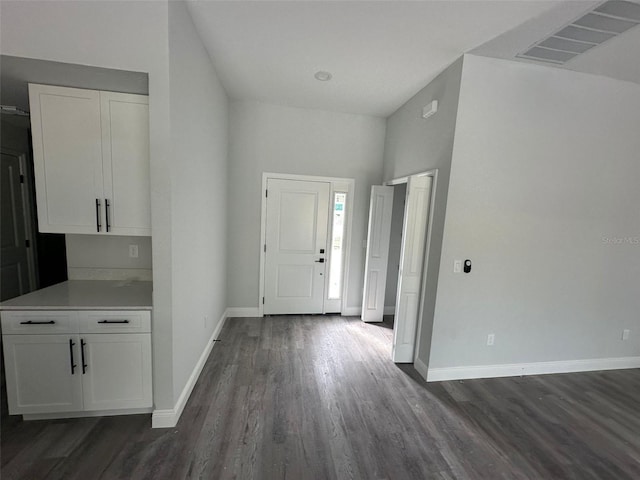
pixel 604 22
pixel 323 76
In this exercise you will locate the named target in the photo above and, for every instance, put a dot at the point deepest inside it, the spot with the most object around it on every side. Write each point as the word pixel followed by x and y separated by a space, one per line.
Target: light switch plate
pixel 457 266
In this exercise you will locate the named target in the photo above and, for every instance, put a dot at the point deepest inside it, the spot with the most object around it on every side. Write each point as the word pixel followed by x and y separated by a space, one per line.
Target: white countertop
pixel 86 295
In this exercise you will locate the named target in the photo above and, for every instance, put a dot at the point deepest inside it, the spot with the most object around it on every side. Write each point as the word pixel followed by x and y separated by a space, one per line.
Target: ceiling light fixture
pixel 604 22
pixel 323 76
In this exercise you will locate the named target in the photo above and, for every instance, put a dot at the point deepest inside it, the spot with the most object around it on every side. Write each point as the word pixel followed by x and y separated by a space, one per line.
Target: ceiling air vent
pixel 604 22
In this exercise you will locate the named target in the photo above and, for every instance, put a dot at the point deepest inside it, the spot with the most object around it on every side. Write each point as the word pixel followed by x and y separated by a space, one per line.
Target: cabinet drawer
pixel 38 322
pixel 110 321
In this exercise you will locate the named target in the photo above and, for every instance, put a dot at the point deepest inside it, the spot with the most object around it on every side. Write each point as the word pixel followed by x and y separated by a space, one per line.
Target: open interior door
pixel 375 276
pixel 416 219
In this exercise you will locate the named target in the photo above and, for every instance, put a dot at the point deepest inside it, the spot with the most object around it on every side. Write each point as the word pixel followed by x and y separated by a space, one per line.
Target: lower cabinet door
pixel 117 371
pixel 43 373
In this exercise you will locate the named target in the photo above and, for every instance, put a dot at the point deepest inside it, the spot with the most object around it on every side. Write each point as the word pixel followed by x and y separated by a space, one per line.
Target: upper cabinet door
pixel 67 151
pixel 125 153
pixel 91 156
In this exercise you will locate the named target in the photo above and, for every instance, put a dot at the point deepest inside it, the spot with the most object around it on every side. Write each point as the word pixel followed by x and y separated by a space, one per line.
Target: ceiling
pixel 380 53
pixel 617 58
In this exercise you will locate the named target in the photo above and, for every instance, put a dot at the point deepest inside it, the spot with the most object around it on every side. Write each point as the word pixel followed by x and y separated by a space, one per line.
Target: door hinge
pixel 21 178
pixel 27 243
pixel 265 248
pixel 266 193
pixel 263 300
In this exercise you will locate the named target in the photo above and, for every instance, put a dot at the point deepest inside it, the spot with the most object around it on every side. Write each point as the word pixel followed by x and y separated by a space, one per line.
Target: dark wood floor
pixel 318 398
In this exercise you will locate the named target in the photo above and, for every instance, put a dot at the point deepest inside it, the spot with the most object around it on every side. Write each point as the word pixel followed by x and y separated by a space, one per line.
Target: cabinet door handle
pixel 98 214
pixel 113 321
pixel 106 211
pixel 84 365
pixel 73 365
pixel 37 322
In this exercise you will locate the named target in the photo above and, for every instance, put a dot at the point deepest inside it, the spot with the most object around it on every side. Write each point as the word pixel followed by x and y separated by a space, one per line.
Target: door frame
pixel 428 234
pixel 338 184
pixel 30 227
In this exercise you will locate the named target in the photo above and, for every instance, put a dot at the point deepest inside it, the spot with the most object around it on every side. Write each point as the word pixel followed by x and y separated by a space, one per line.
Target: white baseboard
pixel 351 311
pixel 168 418
pixel 389 309
pixel 537 368
pixel 421 368
pixel 243 312
pixel 97 413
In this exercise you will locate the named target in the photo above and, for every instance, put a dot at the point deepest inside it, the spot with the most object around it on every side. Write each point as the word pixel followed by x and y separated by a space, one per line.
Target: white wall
pixel 199 137
pixel 128 36
pixel 415 145
pixel 278 139
pixel 106 257
pixel 545 173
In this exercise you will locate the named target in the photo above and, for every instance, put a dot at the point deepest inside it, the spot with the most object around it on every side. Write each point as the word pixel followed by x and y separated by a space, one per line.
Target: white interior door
pixel 378 235
pixel 416 218
pixel 296 242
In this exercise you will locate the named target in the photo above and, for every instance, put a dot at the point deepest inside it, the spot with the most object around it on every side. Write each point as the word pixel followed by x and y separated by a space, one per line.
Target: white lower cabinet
pixel 117 372
pixel 91 362
pixel 42 373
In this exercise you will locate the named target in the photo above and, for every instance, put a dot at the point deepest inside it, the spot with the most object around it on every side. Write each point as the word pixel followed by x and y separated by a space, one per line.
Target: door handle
pixel 320 261
pixel 84 365
pixel 106 211
pixel 73 365
pixel 98 214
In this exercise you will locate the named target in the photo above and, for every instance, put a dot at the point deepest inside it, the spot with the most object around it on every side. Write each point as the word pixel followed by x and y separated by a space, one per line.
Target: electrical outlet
pixel 457 266
pixel 491 338
pixel 133 251
pixel 625 334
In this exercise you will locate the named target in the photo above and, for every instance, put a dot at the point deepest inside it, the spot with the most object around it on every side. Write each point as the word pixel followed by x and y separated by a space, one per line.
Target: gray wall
pixel 414 145
pixel 544 199
pixel 278 139
pixel 199 138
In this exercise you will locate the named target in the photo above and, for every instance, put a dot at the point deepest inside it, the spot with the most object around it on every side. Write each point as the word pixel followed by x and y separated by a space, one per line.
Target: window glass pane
pixel 337 235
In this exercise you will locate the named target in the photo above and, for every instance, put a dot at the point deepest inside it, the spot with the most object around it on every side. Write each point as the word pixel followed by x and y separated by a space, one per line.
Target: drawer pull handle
pixel 98 226
pixel 106 213
pixel 44 322
pixel 113 321
pixel 73 365
pixel 84 365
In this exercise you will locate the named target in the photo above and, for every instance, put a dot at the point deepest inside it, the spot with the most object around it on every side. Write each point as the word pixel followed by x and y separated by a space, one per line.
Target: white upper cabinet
pixel 91 158
pixel 125 163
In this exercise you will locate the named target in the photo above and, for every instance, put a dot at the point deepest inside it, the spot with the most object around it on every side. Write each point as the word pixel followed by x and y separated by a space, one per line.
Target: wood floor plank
pixel 317 397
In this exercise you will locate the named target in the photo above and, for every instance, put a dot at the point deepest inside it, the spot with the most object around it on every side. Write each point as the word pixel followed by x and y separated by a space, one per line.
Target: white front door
pixel 414 230
pixel 296 246
pixel 375 269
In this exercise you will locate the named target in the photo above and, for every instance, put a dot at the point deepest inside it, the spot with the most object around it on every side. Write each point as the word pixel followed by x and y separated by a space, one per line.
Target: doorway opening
pixel 400 217
pixel 304 255
pixel 395 249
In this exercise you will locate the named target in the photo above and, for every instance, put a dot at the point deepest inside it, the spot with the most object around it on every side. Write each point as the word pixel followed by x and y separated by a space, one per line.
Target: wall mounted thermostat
pixel 467 266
